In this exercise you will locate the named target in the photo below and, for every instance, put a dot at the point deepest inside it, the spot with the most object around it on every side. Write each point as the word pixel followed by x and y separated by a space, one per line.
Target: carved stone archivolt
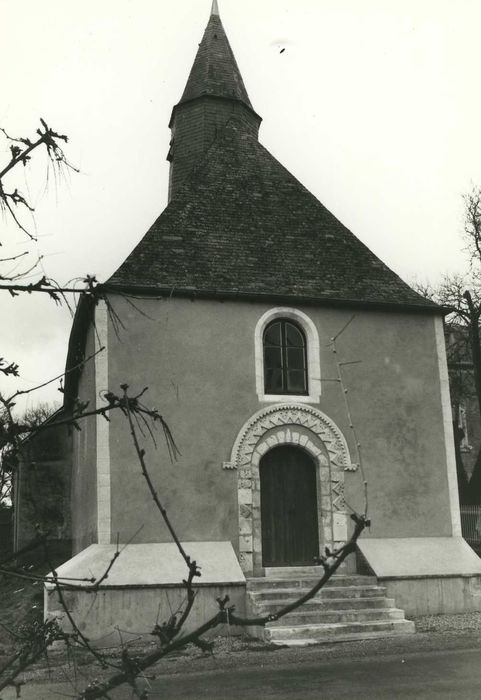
pixel 317 434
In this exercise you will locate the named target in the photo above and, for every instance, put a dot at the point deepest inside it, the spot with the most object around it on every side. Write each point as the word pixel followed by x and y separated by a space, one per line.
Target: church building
pixel 292 366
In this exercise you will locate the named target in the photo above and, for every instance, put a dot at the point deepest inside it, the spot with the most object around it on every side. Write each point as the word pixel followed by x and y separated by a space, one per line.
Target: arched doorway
pixel 300 426
pixel 290 533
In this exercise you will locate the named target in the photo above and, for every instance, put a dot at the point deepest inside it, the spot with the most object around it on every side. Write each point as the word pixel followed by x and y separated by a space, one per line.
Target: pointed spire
pixel 214 94
pixel 215 71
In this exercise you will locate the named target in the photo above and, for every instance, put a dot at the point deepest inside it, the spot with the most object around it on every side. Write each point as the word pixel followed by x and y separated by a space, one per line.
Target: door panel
pixel 288 507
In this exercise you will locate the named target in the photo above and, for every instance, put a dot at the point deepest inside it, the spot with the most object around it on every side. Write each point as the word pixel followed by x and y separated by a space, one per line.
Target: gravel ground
pixel 434 633
pixel 449 623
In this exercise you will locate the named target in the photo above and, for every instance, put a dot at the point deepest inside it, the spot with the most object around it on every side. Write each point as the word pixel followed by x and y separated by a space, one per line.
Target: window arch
pixel 303 324
pixel 285 358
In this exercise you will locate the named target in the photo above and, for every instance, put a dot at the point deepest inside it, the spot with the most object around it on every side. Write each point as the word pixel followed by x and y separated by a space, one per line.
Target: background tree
pixel 14 271
pixel 39 413
pixel 31 419
pixel 461 295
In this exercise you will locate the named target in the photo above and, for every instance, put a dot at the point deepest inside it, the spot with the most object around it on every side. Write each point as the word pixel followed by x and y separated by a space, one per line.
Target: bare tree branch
pixel 21 150
pixel 461 294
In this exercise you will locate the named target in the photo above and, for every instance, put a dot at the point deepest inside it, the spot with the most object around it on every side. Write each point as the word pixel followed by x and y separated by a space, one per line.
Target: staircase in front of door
pixel 349 607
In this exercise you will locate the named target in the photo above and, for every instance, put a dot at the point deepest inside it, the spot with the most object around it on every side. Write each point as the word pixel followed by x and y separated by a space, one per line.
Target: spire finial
pixel 215 8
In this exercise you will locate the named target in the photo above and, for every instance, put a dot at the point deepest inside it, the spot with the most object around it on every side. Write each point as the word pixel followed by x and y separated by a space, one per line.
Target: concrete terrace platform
pixel 155 564
pixel 144 588
pixel 426 575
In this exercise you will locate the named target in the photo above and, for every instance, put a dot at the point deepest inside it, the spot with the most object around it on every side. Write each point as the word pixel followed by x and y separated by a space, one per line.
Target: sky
pixel 374 106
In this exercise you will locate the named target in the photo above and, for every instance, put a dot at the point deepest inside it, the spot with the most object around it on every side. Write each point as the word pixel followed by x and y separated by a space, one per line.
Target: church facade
pixel 293 367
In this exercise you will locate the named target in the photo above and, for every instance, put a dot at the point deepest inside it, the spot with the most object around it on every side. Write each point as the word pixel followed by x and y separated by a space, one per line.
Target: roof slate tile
pixel 215 71
pixel 242 223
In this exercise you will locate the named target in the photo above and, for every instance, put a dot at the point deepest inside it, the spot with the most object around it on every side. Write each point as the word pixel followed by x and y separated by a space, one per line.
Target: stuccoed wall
pixel 84 479
pixel 197 358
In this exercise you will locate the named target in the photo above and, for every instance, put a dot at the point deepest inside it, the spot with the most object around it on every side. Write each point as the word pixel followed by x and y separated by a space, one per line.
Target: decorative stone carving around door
pixel 310 429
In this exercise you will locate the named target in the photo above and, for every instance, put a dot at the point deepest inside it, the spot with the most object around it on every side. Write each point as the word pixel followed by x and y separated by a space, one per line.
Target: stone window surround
pixel 305 427
pixel 313 354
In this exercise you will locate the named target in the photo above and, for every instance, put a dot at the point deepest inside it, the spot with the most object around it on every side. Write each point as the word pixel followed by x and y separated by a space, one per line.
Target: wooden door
pixel 288 507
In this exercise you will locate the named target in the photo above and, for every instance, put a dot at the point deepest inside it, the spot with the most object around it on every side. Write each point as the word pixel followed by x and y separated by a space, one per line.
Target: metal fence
pixel 471 524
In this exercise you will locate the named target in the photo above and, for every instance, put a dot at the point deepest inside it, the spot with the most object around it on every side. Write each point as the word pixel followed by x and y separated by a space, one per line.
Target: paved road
pixel 435 675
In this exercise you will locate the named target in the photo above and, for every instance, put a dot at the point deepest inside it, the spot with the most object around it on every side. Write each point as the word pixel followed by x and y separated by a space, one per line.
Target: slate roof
pixel 215 71
pixel 243 225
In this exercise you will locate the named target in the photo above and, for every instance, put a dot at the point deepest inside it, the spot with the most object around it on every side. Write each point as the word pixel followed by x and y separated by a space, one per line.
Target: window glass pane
pixel 296 381
pixel 272 357
pixel 273 381
pixel 272 335
pixel 294 336
pixel 295 358
pixel 285 370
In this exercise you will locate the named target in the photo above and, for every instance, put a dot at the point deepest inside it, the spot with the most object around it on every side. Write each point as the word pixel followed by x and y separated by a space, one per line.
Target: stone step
pixel 298 635
pixel 293 571
pixel 308 582
pixel 321 617
pixel 347 607
pixel 292 593
pixel 316 603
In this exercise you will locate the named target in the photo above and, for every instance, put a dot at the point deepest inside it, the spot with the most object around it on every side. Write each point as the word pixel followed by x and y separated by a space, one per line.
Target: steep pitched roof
pixel 215 71
pixel 242 224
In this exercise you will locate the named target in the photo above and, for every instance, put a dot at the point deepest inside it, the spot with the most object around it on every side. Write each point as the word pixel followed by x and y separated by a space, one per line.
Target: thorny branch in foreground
pixel 11 430
pixel 226 615
pixel 43 635
pixel 35 638
pixel 128 668
pixel 21 150
pixel 168 633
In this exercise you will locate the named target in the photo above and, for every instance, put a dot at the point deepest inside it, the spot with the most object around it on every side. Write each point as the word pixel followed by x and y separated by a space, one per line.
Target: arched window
pixel 285 358
pixel 309 378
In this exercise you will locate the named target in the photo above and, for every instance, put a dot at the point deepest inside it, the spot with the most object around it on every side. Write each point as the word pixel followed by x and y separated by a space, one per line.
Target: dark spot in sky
pixel 282 51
